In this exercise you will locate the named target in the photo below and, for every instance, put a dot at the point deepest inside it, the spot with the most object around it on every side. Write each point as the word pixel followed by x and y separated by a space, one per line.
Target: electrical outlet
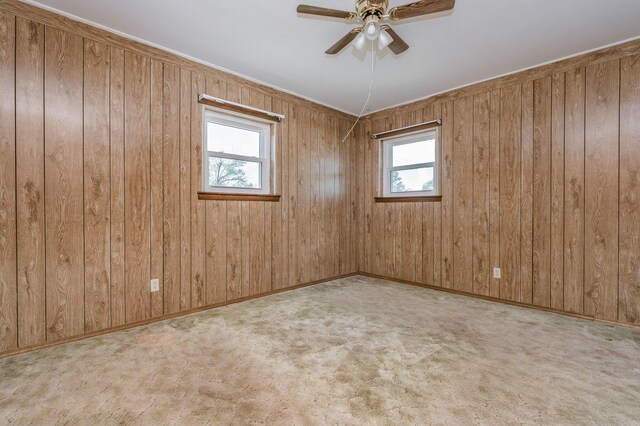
pixel 497 273
pixel 155 285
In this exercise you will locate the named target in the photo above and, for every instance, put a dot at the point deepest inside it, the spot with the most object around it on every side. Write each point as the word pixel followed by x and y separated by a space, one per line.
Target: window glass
pixel 232 140
pixel 414 153
pixel 234 173
pixel 412 180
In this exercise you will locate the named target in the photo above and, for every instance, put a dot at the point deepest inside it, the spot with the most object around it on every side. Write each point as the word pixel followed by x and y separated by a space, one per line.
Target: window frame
pixel 267 134
pixel 386 162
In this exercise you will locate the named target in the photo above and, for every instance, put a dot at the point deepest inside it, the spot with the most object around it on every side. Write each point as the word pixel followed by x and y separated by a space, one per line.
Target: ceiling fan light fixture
pixel 372 28
pixel 360 41
pixel 384 40
pixel 370 13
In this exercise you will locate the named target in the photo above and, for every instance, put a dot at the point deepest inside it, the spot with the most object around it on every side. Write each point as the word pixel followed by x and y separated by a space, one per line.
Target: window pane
pixel 234 173
pixel 412 180
pixel 414 153
pixel 232 140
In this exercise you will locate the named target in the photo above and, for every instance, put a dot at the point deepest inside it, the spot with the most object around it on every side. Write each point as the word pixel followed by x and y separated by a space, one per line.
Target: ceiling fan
pixel 373 15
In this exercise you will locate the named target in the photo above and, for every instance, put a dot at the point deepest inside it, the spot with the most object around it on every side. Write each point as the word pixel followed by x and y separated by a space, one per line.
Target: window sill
pixel 219 196
pixel 430 199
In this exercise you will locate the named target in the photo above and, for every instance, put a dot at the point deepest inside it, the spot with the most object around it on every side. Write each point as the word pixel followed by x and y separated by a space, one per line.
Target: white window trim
pixel 387 161
pixel 264 128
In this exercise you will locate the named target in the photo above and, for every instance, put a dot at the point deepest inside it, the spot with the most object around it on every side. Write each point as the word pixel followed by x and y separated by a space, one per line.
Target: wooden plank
pixel 526 197
pixel 245 245
pixel 601 190
pixel 304 197
pixel 157 187
pixel 198 208
pixel 330 194
pixel 368 194
pixel 361 177
pixel 351 181
pixel 216 245
pixel 447 158
pixel 185 189
pixel 426 250
pixel 256 247
pixel 343 235
pixel 97 189
pixel 416 232
pixel 292 195
pixel 30 181
pixel 116 138
pixel 407 264
pixel 510 141
pixel 233 250
pixel 481 189
pixel 137 201
pixel 557 190
pixel 463 187
pixel 494 195
pixel 171 189
pixel 325 219
pixel 8 292
pixel 542 192
pixel 574 192
pixel 63 185
pixel 351 201
pixel 437 219
pixel 314 197
pixel 629 305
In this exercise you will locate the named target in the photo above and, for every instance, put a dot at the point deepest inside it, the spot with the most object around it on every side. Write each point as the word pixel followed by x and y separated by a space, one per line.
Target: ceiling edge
pixel 183 55
pixel 575 55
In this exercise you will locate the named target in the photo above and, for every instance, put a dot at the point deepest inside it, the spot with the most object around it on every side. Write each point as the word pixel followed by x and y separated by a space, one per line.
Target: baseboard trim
pixel 503 301
pixel 122 327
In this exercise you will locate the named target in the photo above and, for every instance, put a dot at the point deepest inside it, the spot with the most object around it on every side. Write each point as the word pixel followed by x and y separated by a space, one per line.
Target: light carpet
pixel 352 351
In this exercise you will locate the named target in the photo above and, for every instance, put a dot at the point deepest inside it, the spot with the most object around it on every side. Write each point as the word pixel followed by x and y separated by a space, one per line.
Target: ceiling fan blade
pixel 398 45
pixel 421 8
pixel 343 42
pixel 321 11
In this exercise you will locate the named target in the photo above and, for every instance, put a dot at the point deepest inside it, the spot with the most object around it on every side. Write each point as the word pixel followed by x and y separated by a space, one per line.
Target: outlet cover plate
pixel 497 273
pixel 155 285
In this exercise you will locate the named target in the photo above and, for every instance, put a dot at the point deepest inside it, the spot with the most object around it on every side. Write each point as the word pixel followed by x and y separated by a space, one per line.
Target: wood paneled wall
pixel 540 177
pixel 100 164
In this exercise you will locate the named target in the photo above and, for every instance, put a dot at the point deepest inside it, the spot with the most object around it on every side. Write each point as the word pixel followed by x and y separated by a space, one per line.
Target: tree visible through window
pixel 228 173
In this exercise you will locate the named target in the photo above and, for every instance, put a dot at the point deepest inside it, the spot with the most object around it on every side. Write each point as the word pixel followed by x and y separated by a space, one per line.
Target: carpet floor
pixel 352 351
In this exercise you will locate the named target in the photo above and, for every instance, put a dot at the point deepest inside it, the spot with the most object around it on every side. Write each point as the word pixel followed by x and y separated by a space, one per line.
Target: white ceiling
pixel 267 41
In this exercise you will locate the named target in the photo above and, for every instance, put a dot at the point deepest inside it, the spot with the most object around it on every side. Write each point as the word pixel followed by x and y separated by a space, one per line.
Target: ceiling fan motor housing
pixel 366 8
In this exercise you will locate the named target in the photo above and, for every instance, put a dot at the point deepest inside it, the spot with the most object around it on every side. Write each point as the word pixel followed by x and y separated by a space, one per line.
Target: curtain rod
pixel 243 109
pixel 409 129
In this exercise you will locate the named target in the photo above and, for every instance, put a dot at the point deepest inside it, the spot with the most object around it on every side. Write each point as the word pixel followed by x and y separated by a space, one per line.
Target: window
pixel 237 158
pixel 410 165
